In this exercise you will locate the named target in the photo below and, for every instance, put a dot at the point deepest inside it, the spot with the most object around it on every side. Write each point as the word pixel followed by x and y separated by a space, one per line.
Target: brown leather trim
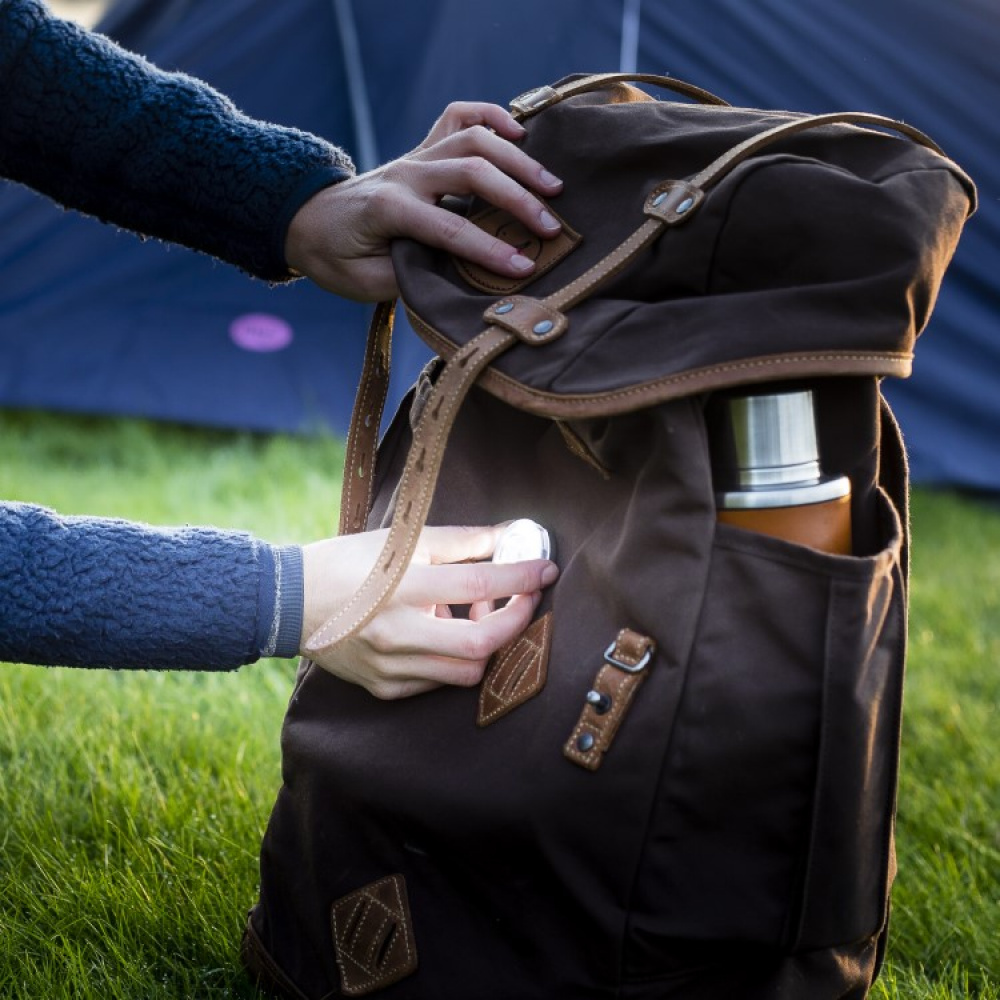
pixel 708 379
pixel 416 487
pixel 532 320
pixel 716 170
pixel 546 253
pixel 607 267
pixel 531 102
pixel 516 672
pixel 362 437
pixel 613 692
pixel 673 202
pixel 373 936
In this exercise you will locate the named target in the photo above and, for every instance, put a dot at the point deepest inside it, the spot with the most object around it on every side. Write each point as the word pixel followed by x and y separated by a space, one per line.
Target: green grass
pixel 132 805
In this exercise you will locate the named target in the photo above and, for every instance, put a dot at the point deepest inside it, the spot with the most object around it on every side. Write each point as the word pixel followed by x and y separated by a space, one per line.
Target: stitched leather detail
pixel 609 402
pixel 718 169
pixel 373 936
pixel 546 253
pixel 533 320
pixel 608 267
pixel 612 694
pixel 673 202
pixel 516 672
pixel 362 436
pixel 530 103
pixel 416 487
pixel 630 649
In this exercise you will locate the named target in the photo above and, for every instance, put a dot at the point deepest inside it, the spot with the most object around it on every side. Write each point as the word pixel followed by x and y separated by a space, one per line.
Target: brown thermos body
pixel 767 472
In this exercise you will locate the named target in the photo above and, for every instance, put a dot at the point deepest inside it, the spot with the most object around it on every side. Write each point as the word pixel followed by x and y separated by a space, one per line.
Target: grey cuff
pixel 289 602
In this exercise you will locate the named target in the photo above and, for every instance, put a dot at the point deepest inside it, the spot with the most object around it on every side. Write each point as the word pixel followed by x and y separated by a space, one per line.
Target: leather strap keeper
pixel 533 320
pixel 615 687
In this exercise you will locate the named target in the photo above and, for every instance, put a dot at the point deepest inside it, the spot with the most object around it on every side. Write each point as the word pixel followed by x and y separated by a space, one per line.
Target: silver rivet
pixel 503 308
pixel 659 198
pixel 601 703
pixel 585 742
pixel 545 326
pixel 684 206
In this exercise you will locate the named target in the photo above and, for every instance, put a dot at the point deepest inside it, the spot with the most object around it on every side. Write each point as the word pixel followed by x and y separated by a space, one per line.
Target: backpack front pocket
pixel 774 813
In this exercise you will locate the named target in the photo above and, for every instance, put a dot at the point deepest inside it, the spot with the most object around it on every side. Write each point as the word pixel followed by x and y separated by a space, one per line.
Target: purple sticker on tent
pixel 260 332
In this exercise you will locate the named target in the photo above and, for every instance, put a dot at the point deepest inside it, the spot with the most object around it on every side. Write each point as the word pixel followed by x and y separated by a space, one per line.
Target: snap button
pixel 585 742
pixel 601 703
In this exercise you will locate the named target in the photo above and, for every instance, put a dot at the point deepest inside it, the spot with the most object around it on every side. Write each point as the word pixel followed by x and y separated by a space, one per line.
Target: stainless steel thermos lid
pixel 765 452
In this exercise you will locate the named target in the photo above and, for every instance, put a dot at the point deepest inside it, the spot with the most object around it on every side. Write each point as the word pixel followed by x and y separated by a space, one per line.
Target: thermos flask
pixel 767 474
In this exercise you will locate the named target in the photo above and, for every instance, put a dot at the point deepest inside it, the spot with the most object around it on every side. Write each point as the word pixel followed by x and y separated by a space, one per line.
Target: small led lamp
pixel 523 539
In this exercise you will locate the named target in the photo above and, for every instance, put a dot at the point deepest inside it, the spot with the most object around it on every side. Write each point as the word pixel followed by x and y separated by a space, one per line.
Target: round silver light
pixel 522 539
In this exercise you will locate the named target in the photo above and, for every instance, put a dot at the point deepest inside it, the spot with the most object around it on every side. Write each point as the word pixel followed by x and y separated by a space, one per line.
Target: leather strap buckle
pixel 609 698
pixel 629 668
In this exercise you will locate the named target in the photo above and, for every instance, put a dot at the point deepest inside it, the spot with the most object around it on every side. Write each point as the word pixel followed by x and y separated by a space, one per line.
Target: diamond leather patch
pixel 373 936
pixel 545 253
pixel 516 672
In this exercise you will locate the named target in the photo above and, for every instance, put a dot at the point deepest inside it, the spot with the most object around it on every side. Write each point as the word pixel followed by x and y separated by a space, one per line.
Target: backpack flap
pixel 802 246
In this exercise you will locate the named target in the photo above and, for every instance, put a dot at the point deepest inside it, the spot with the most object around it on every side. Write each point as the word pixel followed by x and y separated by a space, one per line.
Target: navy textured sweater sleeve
pixel 98 592
pixel 103 131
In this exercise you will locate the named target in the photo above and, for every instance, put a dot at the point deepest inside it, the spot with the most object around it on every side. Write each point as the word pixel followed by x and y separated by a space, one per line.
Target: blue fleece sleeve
pixel 98 592
pixel 103 131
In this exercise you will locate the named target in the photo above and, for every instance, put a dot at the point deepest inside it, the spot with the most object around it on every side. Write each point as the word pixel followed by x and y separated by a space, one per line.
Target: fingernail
pixel 548 221
pixel 549 574
pixel 550 180
pixel 522 263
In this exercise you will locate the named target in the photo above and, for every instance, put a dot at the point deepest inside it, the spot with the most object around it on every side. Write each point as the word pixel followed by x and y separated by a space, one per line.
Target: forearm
pixel 103 131
pixel 95 592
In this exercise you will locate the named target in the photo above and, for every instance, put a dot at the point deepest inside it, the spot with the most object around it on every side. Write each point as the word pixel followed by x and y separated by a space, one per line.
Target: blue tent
pixel 91 320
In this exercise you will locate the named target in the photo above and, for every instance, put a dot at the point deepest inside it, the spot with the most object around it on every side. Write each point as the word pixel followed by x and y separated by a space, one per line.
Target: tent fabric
pixel 91 320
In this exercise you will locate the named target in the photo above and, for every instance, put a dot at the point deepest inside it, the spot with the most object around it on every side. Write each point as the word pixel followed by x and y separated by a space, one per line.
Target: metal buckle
pixel 628 667
pixel 535 100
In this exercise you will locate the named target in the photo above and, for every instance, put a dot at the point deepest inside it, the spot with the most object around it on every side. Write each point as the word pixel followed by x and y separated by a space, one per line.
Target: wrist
pixel 294 224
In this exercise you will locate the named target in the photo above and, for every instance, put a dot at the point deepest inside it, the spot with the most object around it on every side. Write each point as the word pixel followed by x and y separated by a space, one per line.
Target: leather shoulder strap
pixel 716 170
pixel 533 101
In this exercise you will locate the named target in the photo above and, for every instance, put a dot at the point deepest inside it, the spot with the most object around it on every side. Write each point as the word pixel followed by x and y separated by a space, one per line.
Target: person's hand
pixel 340 237
pixel 414 643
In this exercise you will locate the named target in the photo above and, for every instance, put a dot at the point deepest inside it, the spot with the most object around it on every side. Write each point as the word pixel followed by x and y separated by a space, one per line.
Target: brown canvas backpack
pixel 680 780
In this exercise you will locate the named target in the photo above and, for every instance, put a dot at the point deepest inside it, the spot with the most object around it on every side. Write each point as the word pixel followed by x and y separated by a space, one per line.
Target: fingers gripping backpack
pixel 680 780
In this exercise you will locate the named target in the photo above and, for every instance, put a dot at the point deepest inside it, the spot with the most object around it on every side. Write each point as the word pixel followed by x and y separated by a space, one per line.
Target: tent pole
pixel 631 16
pixel 364 127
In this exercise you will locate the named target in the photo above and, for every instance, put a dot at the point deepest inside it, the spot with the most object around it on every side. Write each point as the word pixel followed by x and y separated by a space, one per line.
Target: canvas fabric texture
pixel 721 823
